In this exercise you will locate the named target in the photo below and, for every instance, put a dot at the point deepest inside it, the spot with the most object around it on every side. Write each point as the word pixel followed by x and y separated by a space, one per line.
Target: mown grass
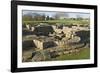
pixel 83 54
pixel 64 21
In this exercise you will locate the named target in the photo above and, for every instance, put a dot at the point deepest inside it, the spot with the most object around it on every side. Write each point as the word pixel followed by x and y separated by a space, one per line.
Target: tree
pixel 27 18
pixel 79 17
pixel 43 17
pixel 56 16
pixel 47 18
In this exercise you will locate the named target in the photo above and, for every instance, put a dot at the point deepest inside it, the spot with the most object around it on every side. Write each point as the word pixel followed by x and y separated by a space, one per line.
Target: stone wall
pixel 43 30
pixel 39 44
pixel 28 44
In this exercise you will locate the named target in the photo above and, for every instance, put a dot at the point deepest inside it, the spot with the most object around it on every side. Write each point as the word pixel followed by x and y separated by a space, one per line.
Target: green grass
pixel 83 54
pixel 64 21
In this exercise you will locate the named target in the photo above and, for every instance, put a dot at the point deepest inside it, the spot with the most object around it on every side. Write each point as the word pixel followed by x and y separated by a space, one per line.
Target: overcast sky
pixel 51 13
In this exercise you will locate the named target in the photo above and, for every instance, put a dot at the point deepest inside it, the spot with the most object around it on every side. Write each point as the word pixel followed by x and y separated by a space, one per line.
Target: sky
pixel 51 13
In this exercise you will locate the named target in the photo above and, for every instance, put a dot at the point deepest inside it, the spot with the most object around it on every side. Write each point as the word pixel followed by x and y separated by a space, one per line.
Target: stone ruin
pixel 53 36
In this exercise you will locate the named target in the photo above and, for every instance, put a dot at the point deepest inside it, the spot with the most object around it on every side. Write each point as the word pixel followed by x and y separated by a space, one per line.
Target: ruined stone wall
pixel 27 44
pixel 28 27
pixel 38 44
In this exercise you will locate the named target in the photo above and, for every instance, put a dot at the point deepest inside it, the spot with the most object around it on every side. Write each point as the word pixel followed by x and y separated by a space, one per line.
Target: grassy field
pixel 64 21
pixel 83 54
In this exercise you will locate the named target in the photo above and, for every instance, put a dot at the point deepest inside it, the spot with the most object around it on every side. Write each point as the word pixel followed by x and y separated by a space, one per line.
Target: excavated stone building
pixel 51 36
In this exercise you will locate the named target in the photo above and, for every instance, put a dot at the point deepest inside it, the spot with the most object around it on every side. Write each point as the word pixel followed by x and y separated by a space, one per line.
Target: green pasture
pixel 63 21
pixel 83 54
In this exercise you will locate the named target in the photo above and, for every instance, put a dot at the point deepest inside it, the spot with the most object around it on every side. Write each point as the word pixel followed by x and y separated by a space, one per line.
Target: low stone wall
pixel 39 44
pixel 27 44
